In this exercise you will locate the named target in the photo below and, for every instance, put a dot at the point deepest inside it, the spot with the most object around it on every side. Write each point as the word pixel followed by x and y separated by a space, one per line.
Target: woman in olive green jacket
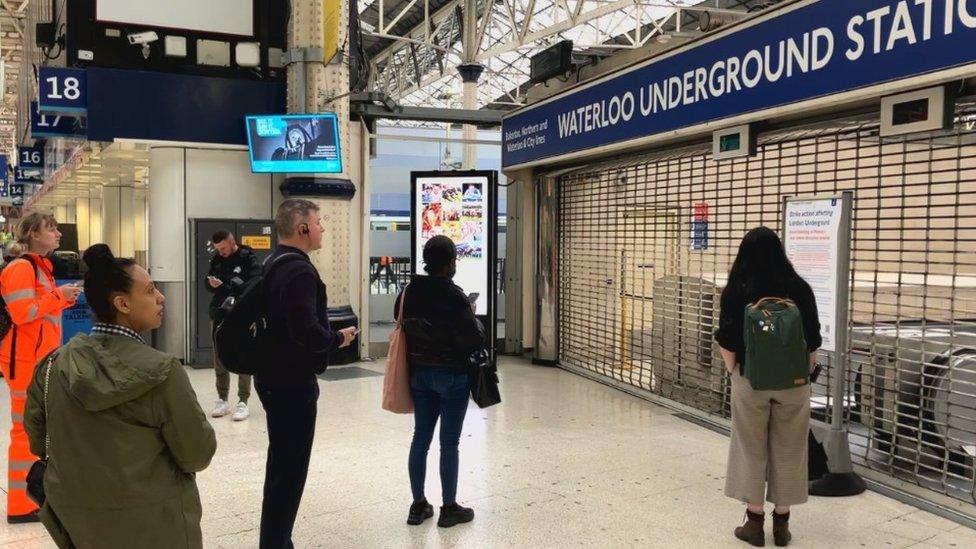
pixel 126 433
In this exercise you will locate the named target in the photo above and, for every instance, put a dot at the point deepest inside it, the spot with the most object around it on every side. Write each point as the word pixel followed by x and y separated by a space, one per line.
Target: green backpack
pixel 776 350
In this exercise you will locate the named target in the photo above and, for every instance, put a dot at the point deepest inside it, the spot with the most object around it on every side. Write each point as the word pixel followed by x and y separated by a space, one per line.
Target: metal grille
pixel 638 304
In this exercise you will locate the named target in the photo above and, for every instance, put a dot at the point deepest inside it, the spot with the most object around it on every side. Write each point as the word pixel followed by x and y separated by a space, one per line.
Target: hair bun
pixel 98 257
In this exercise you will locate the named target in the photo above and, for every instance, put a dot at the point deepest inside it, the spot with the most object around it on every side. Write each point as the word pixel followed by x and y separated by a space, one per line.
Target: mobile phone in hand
pixel 815 373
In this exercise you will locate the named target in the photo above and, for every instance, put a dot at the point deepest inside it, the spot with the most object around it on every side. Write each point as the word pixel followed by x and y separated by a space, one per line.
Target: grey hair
pixel 291 212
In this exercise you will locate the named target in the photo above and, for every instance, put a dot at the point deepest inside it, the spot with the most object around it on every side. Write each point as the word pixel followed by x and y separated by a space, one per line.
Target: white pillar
pixel 118 212
pixel 470 72
pixel 168 244
pixel 96 227
pixel 316 87
pixel 88 217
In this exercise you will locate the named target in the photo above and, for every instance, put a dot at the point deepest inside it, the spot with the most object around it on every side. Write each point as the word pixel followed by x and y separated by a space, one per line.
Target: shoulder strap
pixel 403 300
pixel 27 258
pixel 280 260
pixel 47 382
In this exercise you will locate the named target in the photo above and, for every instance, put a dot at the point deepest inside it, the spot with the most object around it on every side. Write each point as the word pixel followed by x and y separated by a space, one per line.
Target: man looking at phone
pixel 302 342
pixel 230 269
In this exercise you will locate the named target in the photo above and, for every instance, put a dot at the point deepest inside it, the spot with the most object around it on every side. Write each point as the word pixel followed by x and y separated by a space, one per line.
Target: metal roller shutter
pixel 638 304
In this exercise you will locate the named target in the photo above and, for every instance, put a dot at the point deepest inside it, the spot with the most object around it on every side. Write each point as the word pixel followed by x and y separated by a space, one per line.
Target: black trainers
pixel 23 519
pixel 454 514
pixel 419 512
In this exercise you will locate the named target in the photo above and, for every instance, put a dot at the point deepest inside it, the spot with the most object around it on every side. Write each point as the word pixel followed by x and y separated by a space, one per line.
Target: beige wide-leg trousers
pixel 768 451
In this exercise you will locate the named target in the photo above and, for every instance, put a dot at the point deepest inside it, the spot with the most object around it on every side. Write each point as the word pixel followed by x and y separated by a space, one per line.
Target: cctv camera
pixel 143 37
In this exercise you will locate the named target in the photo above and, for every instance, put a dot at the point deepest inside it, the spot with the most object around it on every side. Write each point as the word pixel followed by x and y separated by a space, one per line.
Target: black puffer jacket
pixel 234 272
pixel 441 328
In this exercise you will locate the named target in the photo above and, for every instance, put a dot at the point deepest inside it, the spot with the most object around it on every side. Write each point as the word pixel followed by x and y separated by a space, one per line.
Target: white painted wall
pixel 188 183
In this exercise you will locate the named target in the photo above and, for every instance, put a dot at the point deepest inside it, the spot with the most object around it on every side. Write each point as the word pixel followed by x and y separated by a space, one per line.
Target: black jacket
pixel 441 328
pixel 298 314
pixel 732 316
pixel 234 272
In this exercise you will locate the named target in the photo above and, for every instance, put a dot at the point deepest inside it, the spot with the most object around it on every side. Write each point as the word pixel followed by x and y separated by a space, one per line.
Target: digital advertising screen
pixel 460 206
pixel 300 143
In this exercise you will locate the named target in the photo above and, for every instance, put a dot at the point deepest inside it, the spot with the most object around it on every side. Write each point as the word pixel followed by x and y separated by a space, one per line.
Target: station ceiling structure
pixel 13 17
pixel 414 47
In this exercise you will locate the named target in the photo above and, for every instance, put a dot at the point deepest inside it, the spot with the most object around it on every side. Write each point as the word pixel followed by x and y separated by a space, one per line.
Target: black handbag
pixel 35 477
pixel 484 380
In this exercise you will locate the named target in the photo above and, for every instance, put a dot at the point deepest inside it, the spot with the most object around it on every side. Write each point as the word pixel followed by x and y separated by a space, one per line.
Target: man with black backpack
pixel 231 267
pixel 300 342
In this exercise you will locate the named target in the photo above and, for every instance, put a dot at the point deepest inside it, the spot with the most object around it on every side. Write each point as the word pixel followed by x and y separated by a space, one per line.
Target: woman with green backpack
pixel 768 333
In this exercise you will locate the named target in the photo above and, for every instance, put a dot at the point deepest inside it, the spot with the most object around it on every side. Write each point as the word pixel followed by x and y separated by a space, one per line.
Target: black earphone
pixel 303 230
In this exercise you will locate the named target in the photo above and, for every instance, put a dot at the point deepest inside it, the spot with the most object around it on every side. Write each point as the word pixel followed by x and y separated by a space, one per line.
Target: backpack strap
pixel 270 266
pixel 13 325
pixel 777 300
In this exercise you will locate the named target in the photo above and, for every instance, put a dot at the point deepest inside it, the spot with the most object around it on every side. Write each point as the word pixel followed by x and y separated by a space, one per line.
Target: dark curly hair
pixel 107 275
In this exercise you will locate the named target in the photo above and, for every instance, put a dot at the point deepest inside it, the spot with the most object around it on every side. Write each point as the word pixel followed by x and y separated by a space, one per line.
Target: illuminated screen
pixel 457 206
pixel 300 143
pixel 235 17
pixel 731 142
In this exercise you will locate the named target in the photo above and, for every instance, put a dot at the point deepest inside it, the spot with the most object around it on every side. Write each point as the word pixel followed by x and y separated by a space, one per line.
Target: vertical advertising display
pixel 461 206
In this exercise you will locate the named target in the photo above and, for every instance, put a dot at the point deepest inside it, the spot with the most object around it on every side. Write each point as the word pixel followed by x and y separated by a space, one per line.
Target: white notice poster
pixel 812 243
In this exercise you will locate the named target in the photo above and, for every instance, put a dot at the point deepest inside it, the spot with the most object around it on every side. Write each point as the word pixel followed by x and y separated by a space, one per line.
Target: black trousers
pixel 291 429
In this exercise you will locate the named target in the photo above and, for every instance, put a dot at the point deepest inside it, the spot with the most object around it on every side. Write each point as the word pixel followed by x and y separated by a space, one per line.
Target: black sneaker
pixel 419 512
pixel 23 519
pixel 454 514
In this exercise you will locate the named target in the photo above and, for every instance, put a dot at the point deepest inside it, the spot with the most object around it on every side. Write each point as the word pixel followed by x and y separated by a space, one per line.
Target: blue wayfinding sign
pixel 62 91
pixel 30 157
pixel 4 167
pixel 813 49
pixel 28 175
pixel 56 125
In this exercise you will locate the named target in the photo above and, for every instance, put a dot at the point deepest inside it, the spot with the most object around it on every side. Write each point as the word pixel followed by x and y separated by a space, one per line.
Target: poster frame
pixel 836 441
pixel 489 320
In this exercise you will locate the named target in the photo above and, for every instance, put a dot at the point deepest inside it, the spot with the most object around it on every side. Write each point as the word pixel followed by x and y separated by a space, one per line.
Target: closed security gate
pixel 646 245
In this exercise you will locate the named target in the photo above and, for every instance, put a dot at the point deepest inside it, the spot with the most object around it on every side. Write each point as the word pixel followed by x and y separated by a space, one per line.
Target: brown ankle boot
pixel 781 529
pixel 752 531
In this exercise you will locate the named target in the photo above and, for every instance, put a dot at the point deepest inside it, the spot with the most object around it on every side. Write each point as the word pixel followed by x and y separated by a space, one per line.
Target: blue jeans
pixel 437 393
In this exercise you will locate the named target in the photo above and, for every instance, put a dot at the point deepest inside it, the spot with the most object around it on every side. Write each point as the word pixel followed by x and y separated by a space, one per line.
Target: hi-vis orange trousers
pixel 19 457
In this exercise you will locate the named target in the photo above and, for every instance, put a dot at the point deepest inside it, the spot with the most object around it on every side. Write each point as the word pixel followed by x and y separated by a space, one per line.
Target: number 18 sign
pixel 62 91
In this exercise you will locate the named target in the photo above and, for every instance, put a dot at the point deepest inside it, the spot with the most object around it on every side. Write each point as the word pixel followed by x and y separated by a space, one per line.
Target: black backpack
pixel 6 323
pixel 241 340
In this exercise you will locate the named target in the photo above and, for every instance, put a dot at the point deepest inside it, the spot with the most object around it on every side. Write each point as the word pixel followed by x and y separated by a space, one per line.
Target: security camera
pixel 143 37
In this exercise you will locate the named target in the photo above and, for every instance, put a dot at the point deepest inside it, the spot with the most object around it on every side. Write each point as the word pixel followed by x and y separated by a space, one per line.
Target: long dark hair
pixel 762 267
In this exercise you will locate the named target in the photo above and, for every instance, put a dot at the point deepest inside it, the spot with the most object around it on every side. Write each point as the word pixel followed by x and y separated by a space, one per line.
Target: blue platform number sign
pixel 17 190
pixel 30 157
pixel 28 175
pixel 63 91
pixel 56 125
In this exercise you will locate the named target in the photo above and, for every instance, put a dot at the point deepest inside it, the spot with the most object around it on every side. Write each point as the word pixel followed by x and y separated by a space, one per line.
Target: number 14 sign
pixel 62 91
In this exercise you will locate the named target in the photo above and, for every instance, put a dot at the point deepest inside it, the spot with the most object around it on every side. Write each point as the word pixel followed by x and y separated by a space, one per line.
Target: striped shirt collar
pixel 102 328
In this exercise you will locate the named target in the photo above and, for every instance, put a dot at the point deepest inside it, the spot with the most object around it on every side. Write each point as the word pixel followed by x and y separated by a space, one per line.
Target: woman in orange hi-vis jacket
pixel 34 306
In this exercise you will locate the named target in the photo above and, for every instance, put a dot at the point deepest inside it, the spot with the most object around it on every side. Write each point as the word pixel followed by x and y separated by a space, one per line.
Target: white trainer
pixel 241 412
pixel 221 408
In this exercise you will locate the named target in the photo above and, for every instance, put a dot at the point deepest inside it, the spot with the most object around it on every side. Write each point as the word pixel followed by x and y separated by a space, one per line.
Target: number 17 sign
pixel 62 91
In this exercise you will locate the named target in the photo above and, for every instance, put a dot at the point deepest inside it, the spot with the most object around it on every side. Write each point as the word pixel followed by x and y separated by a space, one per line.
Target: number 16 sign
pixel 62 91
